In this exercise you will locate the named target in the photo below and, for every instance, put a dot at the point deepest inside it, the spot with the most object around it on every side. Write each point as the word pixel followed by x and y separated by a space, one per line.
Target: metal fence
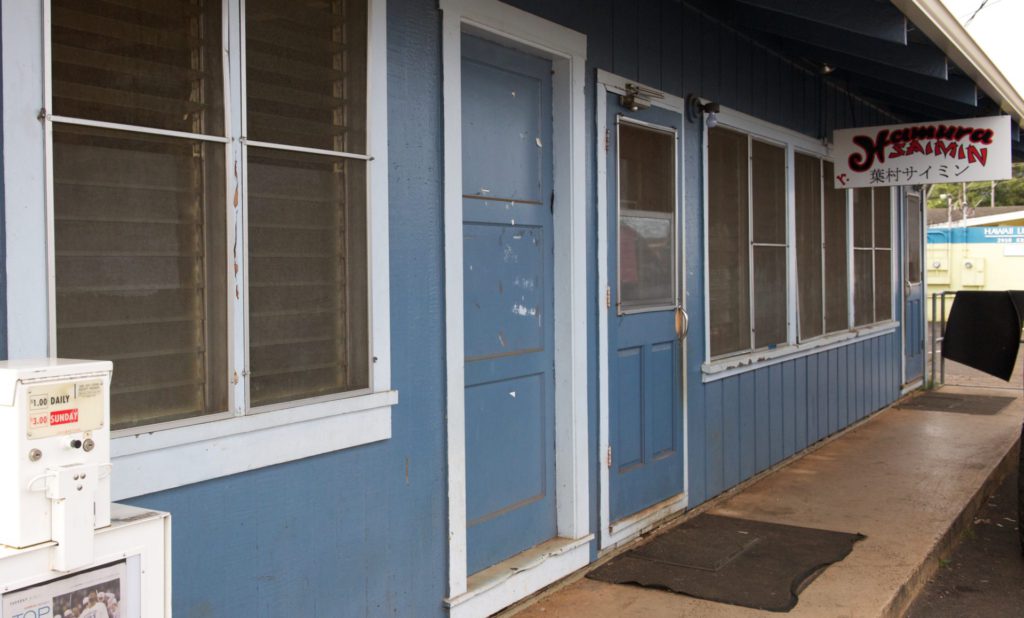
pixel 938 298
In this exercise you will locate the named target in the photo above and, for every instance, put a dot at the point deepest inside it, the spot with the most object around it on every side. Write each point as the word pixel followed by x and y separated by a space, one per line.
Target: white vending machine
pixel 65 550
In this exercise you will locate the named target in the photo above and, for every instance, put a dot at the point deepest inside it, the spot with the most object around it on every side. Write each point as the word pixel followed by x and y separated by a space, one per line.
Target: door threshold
pixel 628 528
pixel 518 577
pixel 912 386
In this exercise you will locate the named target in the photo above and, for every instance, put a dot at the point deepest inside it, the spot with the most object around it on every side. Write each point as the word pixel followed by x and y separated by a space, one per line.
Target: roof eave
pixel 935 21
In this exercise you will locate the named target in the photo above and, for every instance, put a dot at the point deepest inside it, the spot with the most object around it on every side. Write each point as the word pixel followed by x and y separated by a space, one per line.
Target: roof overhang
pixel 942 28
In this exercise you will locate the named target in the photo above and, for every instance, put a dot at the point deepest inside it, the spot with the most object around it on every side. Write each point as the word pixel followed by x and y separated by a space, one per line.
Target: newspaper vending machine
pixel 65 550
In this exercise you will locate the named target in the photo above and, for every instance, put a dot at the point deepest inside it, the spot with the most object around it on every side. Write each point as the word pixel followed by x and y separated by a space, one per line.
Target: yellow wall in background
pixel 979 258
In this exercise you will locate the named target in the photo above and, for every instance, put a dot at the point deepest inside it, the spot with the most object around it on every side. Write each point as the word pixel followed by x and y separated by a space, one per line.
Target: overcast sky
pixel 997 29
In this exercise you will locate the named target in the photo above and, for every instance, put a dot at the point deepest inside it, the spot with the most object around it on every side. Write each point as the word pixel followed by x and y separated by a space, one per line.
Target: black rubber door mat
pixel 737 561
pixel 955 402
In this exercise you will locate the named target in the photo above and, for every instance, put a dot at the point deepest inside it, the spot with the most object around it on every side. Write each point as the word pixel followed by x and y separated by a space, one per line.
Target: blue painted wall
pixel 678 48
pixel 757 419
pixel 363 531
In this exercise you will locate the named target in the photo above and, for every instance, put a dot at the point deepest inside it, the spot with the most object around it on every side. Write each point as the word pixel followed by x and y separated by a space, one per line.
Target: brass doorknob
pixel 682 323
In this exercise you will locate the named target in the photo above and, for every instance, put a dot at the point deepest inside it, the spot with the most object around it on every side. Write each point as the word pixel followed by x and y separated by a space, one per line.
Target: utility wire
pixel 975 13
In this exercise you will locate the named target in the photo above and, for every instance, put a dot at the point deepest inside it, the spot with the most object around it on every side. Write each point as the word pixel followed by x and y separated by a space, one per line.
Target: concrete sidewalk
pixel 908 479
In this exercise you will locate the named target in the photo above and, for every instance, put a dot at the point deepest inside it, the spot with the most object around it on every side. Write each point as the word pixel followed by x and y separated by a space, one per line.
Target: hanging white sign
pixel 964 150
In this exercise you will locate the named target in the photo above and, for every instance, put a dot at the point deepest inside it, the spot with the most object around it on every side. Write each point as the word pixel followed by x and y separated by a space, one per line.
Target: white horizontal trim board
pixel 765 130
pixel 725 367
pixel 629 528
pixel 132 444
pixel 521 578
pixel 147 463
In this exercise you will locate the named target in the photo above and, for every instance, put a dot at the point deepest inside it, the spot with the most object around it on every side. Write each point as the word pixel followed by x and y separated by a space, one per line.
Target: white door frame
pixel 509 581
pixel 904 196
pixel 619 532
pixel 901 242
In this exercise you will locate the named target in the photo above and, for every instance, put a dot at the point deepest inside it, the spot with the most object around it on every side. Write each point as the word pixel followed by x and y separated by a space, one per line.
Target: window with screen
pixel 821 248
pixel 728 242
pixel 139 218
pixel 793 263
pixel 148 255
pixel 836 254
pixel 647 216
pixel 872 255
pixel 305 87
pixel 769 242
pixel 747 242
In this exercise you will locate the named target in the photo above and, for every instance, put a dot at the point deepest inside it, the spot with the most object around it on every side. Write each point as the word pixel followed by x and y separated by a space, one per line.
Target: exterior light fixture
pixel 826 69
pixel 695 108
pixel 712 110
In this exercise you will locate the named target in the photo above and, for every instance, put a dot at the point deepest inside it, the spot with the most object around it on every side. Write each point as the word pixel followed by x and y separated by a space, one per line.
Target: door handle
pixel 682 323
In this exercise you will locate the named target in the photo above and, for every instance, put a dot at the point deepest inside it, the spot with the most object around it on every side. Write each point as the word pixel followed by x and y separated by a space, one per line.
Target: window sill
pixel 159 460
pixel 720 368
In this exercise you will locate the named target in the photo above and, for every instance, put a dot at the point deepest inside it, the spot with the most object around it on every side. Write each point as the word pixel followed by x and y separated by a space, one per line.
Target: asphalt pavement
pixel 984 575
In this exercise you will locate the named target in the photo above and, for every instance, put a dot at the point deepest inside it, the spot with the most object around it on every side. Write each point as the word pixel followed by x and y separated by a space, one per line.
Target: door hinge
pixel 607 138
pixel 609 455
pixel 608 297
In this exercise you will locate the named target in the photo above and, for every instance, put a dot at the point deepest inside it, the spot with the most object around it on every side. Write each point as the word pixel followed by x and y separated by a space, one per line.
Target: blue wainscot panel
pixel 789 406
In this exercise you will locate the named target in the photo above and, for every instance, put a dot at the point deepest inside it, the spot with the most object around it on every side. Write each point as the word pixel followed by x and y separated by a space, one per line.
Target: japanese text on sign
pixel 910 154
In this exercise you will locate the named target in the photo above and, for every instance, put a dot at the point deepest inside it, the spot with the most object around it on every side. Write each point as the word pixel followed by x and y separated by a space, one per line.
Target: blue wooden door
pixel 913 289
pixel 508 301
pixel 644 317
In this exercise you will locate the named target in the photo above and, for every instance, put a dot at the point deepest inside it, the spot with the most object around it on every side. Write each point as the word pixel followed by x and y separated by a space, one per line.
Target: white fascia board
pixel 986 220
pixel 993 219
pixel 946 32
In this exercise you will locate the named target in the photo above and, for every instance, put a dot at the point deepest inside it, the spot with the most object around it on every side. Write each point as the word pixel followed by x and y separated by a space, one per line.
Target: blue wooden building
pixel 416 307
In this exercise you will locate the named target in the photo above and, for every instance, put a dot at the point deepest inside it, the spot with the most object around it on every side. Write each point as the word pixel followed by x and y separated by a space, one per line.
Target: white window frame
pixel 825 333
pixel 719 367
pixel 874 248
pixel 162 456
pixel 657 305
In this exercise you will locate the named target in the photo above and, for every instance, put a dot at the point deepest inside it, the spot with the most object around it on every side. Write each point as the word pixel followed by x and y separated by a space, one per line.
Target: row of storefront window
pixel 749 239
pixel 144 172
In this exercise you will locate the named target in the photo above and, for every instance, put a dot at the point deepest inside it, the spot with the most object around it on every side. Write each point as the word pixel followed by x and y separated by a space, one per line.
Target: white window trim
pixel 511 580
pixel 159 457
pixel 894 279
pixel 719 367
pixel 733 365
